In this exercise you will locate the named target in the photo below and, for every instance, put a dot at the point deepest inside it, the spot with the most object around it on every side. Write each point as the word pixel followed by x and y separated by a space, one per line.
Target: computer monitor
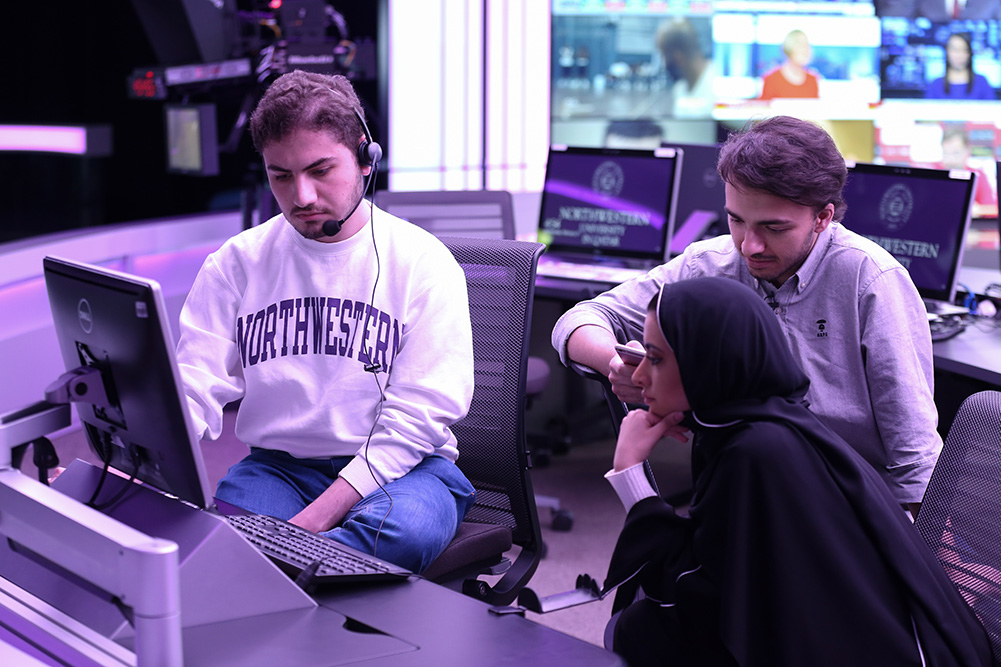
pixel 700 193
pixel 192 139
pixel 610 202
pixel 117 323
pixel 919 215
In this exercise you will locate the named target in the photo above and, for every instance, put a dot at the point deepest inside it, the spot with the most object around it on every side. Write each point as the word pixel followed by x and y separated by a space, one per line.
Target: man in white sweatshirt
pixel 327 323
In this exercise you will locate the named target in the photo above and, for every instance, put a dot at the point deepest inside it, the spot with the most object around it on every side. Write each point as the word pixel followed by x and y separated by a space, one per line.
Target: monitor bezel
pixel 172 460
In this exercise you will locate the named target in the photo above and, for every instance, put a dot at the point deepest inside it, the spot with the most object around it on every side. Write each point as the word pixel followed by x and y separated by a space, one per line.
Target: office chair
pixel 493 452
pixel 479 214
pixel 960 516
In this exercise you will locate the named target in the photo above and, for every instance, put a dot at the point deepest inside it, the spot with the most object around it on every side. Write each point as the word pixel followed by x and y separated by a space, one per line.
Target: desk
pixel 975 353
pixel 238 609
pixel 412 623
pixel 416 623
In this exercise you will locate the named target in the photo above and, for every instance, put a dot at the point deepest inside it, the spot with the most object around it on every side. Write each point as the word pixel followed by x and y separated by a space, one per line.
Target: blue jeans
pixel 411 530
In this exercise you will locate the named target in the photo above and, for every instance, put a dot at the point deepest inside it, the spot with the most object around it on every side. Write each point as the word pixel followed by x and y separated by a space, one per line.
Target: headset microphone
pixel 333 227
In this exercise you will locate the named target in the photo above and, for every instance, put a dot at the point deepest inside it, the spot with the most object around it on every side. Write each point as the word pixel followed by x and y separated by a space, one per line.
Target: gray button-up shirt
pixel 854 320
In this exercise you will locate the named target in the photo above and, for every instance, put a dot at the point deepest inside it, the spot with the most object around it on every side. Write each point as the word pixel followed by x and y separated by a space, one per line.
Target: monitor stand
pixel 237 607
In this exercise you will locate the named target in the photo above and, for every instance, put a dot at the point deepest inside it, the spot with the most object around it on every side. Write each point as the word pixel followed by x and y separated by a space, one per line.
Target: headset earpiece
pixel 369 151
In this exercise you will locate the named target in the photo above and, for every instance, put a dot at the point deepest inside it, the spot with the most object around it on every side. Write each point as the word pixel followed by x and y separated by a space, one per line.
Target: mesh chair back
pixel 493 453
pixel 960 517
pixel 475 213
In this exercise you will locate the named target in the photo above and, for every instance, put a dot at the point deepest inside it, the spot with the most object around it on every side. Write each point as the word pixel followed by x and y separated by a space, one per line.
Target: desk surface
pixel 238 609
pixel 974 353
pixel 451 628
pixel 414 622
pixel 409 623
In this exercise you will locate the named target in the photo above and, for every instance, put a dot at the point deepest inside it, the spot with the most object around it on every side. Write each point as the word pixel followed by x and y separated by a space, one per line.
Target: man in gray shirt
pixel 849 310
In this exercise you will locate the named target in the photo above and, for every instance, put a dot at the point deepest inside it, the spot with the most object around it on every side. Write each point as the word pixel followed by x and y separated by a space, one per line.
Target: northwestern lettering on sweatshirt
pixel 318 325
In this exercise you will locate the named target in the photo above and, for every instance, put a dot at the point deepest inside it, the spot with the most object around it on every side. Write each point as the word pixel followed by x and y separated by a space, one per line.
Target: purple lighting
pixel 93 141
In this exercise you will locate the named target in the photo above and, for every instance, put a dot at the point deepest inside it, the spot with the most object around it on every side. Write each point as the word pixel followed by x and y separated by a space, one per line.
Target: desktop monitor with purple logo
pixel 919 215
pixel 600 203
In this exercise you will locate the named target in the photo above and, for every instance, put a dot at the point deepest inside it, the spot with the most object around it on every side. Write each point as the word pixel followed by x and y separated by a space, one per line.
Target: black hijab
pixel 731 353
pixel 791 532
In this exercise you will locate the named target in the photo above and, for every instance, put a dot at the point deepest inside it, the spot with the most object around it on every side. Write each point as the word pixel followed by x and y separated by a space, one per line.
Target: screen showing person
pixel 644 62
pixel 959 81
pixel 940 10
pixel 919 215
pixel 793 55
pixel 617 202
pixel 969 145
pixel 958 60
pixel 792 78
pixel 686 47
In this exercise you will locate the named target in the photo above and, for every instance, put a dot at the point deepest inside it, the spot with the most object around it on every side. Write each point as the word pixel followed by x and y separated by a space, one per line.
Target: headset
pixel 369 153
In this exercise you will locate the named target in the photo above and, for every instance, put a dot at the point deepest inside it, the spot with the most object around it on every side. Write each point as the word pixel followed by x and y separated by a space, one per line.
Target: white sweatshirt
pixel 281 322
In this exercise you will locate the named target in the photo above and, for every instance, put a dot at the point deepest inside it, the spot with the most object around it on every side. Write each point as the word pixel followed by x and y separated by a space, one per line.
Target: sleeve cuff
pixel 357 474
pixel 631 485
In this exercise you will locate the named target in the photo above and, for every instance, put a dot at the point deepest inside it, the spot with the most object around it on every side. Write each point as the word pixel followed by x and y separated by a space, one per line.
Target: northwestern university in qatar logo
pixel 896 206
pixel 608 179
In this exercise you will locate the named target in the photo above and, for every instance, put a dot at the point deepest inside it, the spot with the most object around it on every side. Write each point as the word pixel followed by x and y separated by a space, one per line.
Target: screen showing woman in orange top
pixel 792 78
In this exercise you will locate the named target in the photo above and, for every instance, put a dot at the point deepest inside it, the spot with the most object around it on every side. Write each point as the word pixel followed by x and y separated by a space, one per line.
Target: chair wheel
pixel 562 520
pixel 475 588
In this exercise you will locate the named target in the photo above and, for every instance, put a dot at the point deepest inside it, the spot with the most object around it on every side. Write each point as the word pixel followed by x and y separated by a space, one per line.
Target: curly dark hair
pixel 789 158
pixel 307 101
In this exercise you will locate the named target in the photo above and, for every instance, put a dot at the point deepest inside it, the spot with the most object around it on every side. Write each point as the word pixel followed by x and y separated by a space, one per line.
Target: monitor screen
pixel 192 139
pixel 919 215
pixel 915 54
pixel 608 201
pixel 117 323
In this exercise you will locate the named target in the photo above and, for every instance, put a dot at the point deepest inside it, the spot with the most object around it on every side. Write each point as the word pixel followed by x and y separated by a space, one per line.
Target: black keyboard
pixel 309 558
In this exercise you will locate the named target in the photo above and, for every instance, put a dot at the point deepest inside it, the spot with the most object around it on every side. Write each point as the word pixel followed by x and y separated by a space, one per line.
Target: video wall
pixel 919 81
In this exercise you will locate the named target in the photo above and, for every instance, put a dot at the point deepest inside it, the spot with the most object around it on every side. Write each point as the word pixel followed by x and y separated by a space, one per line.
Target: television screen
pixel 828 64
pixel 916 53
pixel 971 145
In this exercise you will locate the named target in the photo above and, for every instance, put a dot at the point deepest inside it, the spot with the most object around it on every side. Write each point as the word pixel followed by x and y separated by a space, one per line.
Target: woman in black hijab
pixel 794 552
